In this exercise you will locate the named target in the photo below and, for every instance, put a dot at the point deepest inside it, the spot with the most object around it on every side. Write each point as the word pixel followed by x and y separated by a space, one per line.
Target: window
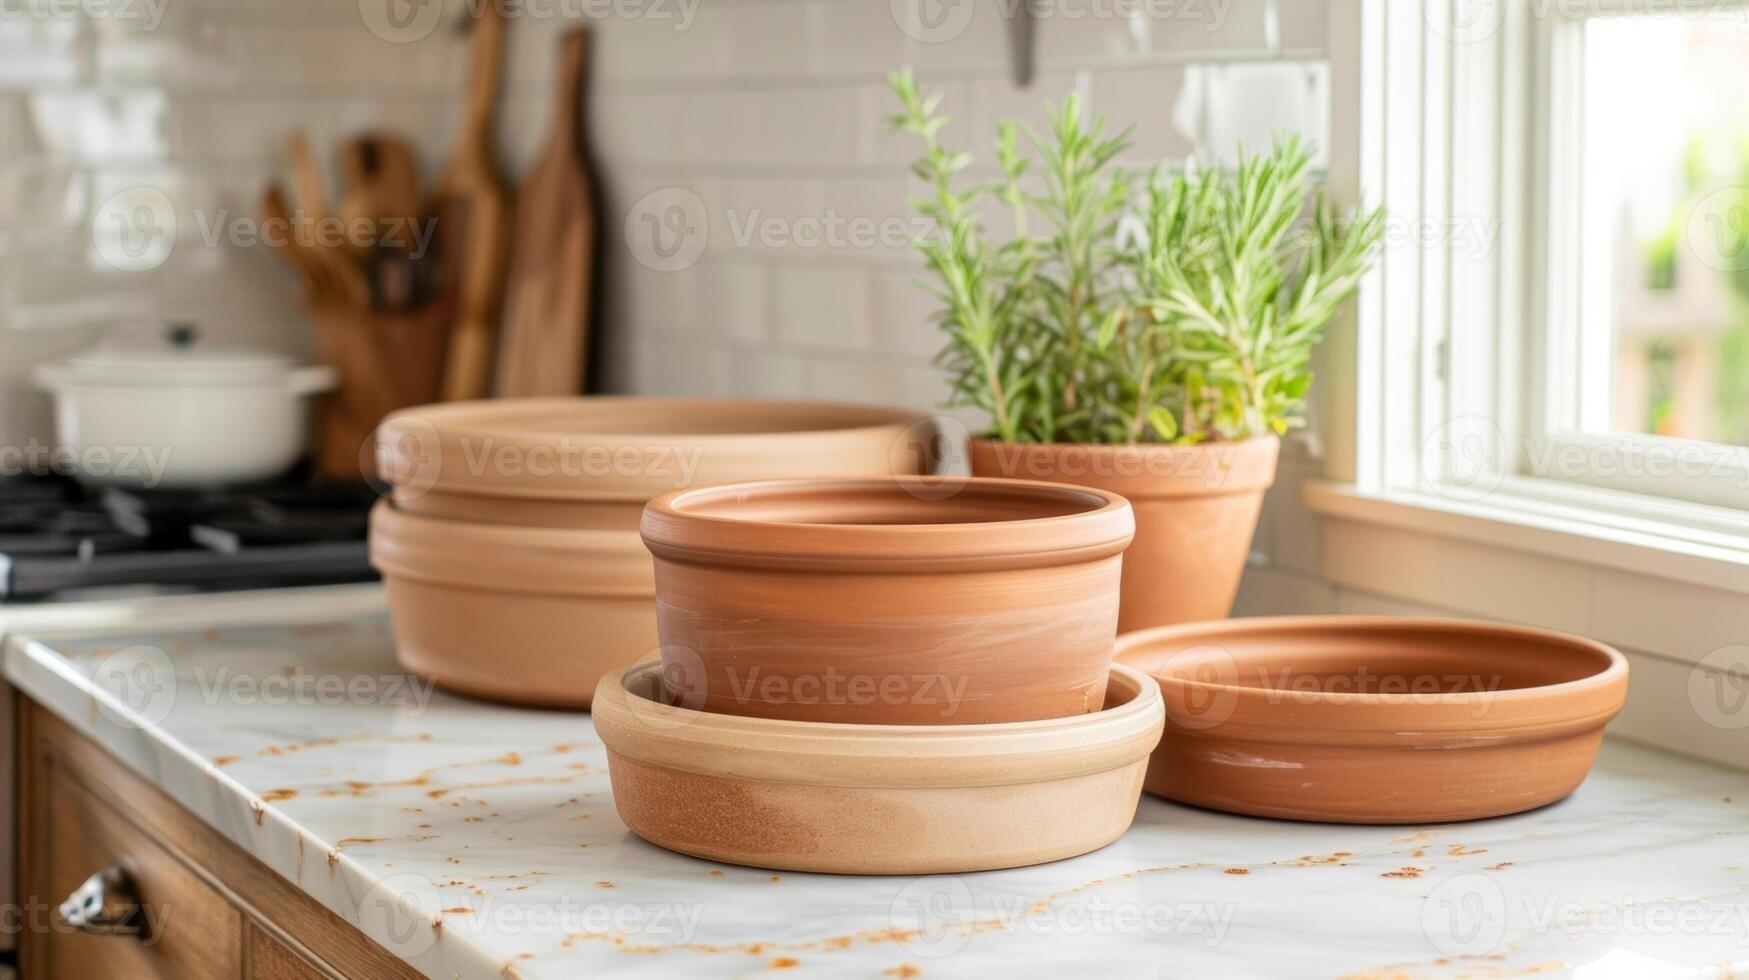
pixel 1561 316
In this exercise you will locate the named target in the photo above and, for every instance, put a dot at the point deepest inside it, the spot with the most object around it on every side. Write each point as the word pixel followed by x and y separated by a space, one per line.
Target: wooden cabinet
pixel 192 905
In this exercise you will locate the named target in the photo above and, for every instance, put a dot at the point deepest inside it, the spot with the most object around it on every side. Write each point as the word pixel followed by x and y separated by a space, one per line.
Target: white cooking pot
pixel 179 416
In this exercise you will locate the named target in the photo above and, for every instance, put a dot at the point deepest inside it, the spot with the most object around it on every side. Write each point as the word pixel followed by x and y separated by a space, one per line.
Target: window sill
pixel 1534 524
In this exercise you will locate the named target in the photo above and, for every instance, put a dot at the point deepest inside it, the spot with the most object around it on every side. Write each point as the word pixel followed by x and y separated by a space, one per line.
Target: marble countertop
pixel 480 841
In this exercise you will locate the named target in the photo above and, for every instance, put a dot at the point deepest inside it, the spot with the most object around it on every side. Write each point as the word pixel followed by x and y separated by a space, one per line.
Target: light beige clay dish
pixel 889 601
pixel 525 614
pixel 874 799
pixel 594 461
pixel 1354 719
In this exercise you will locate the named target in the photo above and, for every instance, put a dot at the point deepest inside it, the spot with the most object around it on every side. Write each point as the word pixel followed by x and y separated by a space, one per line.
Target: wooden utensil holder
pixel 386 362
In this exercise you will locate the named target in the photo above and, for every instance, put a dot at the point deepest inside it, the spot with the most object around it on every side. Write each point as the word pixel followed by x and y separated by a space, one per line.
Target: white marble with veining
pixel 480 841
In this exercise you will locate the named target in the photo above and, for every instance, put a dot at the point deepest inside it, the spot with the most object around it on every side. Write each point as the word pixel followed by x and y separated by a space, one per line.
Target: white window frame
pixel 1456 404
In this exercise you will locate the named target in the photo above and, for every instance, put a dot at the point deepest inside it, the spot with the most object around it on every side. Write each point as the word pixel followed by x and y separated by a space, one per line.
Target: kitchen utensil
pixel 381 180
pixel 386 361
pixel 329 278
pixel 525 614
pixel 472 212
pixel 873 799
pixel 307 176
pixel 1358 719
pixel 889 601
pixel 511 553
pixel 595 461
pixel 181 414
pixel 545 333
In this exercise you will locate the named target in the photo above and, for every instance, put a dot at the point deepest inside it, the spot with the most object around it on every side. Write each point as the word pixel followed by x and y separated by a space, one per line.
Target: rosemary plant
pixel 1176 308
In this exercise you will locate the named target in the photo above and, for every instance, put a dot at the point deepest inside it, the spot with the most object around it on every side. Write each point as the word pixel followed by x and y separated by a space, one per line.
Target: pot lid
pixel 177 361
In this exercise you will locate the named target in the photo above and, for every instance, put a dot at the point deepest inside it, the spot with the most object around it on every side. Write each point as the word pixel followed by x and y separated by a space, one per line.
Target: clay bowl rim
pixel 481 417
pixel 460 532
pixel 845 753
pixel 1135 645
pixel 672 530
pixel 1253 475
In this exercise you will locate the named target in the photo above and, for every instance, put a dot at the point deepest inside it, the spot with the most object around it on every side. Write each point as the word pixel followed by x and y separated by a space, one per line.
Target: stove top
pixel 61 541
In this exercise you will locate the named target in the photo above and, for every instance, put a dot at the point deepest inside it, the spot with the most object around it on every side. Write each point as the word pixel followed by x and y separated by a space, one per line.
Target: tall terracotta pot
pixel 1196 508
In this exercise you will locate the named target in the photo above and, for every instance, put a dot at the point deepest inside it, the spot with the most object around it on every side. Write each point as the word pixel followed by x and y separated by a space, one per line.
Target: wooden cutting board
pixel 545 344
pixel 472 209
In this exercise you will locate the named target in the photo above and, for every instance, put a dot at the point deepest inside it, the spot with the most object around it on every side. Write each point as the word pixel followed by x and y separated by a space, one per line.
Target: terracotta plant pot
pixel 1375 719
pixel 874 799
pixel 531 615
pixel 593 462
pixel 911 601
pixel 1196 509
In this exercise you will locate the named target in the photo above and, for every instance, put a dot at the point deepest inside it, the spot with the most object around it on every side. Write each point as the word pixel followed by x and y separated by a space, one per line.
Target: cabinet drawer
pixel 193 931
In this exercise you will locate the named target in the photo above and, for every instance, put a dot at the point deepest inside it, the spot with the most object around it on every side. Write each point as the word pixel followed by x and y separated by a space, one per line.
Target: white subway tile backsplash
pixel 1167 117
pixel 783 128
pixel 823 306
pixel 904 315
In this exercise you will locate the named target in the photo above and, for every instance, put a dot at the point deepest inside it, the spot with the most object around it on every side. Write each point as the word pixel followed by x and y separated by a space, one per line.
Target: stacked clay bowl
pixel 901 676
pixel 509 544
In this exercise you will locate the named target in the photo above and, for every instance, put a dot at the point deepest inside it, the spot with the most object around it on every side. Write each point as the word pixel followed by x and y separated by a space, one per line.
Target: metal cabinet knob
pixel 105 905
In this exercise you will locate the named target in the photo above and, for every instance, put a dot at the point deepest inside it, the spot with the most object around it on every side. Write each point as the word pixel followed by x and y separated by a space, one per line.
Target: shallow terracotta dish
pixel 532 615
pixel 1375 719
pixel 889 601
pixel 593 462
pixel 873 799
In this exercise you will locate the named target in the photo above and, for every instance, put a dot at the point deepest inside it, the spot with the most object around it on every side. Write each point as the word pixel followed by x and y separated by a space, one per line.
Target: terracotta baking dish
pixel 593 462
pixel 526 614
pixel 890 601
pixel 873 799
pixel 1375 719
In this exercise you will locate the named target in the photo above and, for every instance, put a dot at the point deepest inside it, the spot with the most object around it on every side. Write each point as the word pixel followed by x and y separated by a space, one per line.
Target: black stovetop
pixel 59 540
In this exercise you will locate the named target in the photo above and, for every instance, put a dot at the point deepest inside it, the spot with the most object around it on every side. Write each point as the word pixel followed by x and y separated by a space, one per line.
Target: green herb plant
pixel 1170 308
